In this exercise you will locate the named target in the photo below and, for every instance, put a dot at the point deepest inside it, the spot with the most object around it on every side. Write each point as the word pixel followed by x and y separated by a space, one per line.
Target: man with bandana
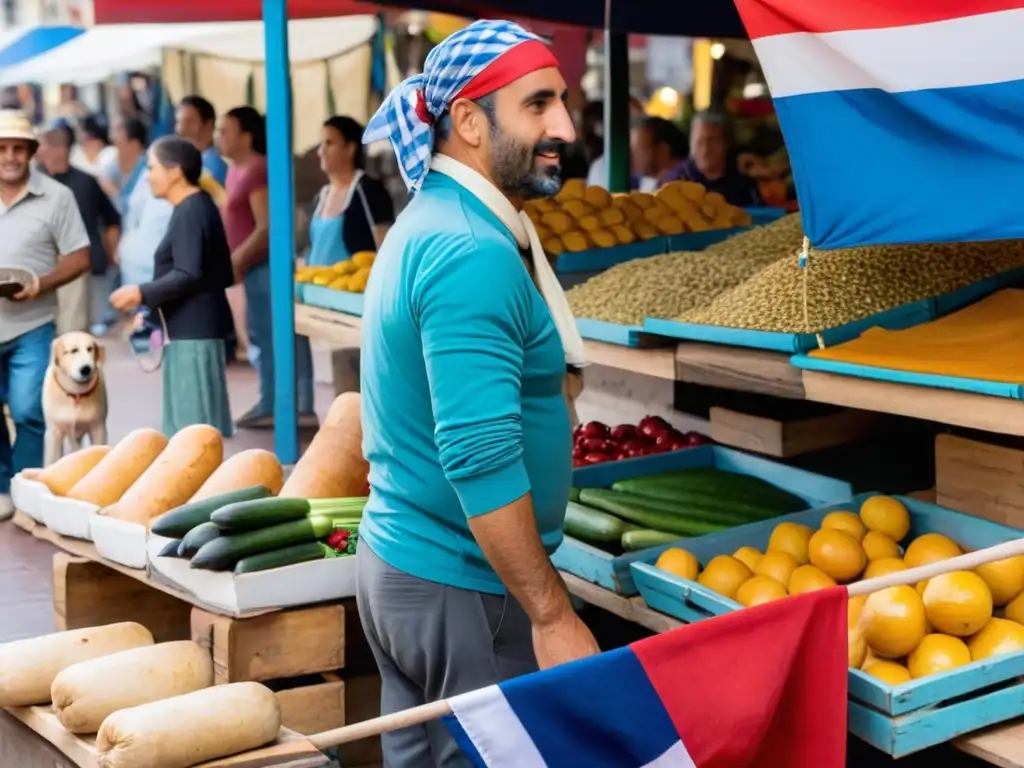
pixel 467 340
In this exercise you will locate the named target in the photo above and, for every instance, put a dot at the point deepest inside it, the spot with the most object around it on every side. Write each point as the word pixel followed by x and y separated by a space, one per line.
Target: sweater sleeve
pixel 472 307
pixel 187 272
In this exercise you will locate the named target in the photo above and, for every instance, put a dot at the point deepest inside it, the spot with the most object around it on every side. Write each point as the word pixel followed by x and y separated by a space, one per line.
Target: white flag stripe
pixel 675 757
pixel 896 59
pixel 495 730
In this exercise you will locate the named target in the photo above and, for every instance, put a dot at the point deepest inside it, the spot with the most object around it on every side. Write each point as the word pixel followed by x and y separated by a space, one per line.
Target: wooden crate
pixel 981 478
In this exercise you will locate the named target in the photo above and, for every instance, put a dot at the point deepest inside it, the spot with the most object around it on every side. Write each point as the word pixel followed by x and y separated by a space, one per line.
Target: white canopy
pixel 106 49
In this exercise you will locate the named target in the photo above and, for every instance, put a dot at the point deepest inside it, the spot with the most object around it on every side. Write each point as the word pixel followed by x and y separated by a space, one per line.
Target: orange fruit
pixel 848 522
pixel 724 575
pixel 894 621
pixel 837 553
pixel 792 538
pixel 883 566
pixel 748 556
pixel 760 589
pixel 997 637
pixel 679 563
pixel 886 515
pixel 869 659
pixel 889 672
pixel 930 548
pixel 857 649
pixel 1014 610
pixel 807 578
pixel 958 603
pixel 878 545
pixel 854 608
pixel 776 565
pixel 938 653
pixel 1005 578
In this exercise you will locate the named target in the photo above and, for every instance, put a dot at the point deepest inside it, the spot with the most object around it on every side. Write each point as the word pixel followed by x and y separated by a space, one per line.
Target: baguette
pixel 61 476
pixel 244 470
pixel 180 470
pixel 120 468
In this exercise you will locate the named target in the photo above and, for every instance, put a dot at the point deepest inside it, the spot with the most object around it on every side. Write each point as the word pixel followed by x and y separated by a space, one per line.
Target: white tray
pixel 69 517
pixel 119 540
pixel 300 584
pixel 29 496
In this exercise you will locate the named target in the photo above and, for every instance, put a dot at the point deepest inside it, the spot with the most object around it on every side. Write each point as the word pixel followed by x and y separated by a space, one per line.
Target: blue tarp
pixel 34 41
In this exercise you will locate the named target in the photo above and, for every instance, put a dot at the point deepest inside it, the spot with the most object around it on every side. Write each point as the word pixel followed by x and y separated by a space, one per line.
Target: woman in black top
pixel 192 269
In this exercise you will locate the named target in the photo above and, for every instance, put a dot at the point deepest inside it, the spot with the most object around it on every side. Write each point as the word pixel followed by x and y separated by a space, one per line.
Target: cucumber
pixel 260 513
pixel 591 524
pixel 297 553
pixel 196 538
pixel 643 538
pixel 223 552
pixel 655 519
pixel 178 522
pixel 170 549
pixel 720 513
pixel 741 494
pixel 574 494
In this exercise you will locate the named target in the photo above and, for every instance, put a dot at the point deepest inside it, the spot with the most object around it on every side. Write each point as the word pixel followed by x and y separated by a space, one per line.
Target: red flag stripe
pixel 760 688
pixel 764 18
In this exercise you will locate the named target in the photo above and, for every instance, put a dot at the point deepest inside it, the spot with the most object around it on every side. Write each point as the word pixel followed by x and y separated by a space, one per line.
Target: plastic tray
pixel 613 572
pixel 328 298
pixel 896 719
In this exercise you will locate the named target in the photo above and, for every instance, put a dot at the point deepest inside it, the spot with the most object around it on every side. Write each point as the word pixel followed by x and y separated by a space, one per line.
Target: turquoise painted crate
pixel 328 298
pixel 614 572
pixel 900 719
pixel 599 259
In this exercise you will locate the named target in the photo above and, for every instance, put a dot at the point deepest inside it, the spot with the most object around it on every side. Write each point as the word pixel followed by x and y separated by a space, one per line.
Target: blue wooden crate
pixel 598 259
pixel 611 333
pixel 895 719
pixel 951 302
pixel 698 241
pixel 613 573
pixel 764 215
pixel 894 319
pixel 328 298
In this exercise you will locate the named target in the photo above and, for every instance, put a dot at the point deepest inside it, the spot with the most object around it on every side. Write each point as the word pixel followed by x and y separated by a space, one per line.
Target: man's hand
pixel 563 641
pixel 28 292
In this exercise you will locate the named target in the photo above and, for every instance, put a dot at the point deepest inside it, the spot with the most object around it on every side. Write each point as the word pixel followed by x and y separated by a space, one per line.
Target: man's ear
pixel 57 349
pixel 468 122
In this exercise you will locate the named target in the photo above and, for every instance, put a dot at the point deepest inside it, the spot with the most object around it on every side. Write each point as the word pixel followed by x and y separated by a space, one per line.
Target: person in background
pixel 656 146
pixel 597 176
pixel 243 141
pixel 192 269
pixel 42 232
pixel 130 140
pixel 93 153
pixel 709 163
pixel 102 222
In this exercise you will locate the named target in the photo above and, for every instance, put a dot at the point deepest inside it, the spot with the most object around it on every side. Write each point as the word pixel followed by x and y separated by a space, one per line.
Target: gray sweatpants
pixel 431 642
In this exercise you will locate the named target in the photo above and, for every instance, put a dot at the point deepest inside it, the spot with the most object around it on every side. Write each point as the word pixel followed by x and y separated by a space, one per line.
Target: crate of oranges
pixel 587 228
pixel 339 287
pixel 913 650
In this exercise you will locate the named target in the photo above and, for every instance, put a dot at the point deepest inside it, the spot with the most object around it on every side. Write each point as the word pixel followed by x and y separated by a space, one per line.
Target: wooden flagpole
pixel 426 712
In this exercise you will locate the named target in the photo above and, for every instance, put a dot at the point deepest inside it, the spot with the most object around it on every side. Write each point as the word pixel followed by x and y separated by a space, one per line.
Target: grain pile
pixel 666 286
pixel 850 284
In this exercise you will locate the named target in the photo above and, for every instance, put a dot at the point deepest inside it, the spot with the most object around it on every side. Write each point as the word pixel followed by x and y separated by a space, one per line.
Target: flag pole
pixel 427 712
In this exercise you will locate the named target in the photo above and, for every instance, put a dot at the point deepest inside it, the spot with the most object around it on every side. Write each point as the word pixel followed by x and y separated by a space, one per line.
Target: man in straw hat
pixel 42 232
pixel 467 338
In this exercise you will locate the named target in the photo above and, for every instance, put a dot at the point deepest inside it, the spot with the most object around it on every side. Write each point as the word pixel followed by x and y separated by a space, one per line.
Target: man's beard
pixel 515 167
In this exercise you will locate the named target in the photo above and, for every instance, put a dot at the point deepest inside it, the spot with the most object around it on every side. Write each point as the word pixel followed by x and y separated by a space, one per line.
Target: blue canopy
pixel 32 41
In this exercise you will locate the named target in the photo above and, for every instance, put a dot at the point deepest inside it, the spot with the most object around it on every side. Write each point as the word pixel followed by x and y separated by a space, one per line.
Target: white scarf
pixel 525 233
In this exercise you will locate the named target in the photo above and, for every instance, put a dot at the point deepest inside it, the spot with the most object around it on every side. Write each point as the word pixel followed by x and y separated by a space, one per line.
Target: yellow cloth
pixel 211 187
pixel 983 341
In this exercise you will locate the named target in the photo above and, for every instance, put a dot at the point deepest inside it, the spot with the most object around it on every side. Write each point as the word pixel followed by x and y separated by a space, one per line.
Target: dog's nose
pixel 85 370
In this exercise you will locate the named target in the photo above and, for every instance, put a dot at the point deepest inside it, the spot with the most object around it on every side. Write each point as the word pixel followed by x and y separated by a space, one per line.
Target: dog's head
pixel 78 355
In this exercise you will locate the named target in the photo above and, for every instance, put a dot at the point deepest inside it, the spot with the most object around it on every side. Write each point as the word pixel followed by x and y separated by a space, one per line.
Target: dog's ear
pixel 57 349
pixel 101 354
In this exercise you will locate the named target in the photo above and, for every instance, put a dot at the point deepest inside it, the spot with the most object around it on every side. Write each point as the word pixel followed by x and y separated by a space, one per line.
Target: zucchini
pixel 263 513
pixel 574 494
pixel 278 558
pixel 170 549
pixel 196 538
pixel 176 523
pixel 591 524
pixel 655 519
pixel 223 552
pixel 742 494
pixel 719 513
pixel 644 538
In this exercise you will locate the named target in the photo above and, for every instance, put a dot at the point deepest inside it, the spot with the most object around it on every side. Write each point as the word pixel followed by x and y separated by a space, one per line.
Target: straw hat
pixel 15 125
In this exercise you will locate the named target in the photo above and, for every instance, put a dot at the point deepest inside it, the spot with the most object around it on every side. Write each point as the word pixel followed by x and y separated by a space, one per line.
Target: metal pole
pixel 282 226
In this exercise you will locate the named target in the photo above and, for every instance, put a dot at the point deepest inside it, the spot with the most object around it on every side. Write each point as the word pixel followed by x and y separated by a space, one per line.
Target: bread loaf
pixel 120 468
pixel 85 693
pixel 29 667
pixel 244 470
pixel 187 730
pixel 180 470
pixel 61 476
pixel 333 466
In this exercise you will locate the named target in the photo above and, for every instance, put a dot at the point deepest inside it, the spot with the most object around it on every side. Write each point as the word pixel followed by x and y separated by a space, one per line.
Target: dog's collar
pixel 77 397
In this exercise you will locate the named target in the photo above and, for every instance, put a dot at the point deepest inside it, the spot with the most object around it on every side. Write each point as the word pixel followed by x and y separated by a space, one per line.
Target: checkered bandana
pixel 408 114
